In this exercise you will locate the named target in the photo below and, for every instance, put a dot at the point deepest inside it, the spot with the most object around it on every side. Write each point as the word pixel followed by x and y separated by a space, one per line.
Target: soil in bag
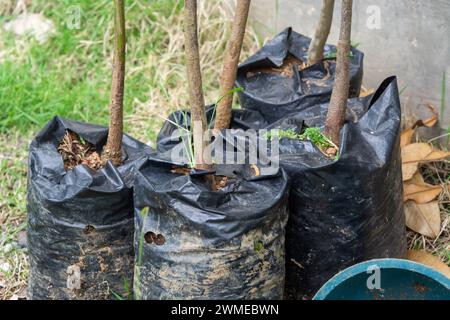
pixel 193 242
pixel 276 80
pixel 347 209
pixel 80 214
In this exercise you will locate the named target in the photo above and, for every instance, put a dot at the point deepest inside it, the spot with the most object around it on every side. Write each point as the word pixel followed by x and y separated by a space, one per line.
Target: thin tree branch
pixel 338 102
pixel 113 149
pixel 316 48
pixel 198 114
pixel 228 76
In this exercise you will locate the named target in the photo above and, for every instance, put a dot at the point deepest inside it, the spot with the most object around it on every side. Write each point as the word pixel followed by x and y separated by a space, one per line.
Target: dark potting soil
pixel 286 69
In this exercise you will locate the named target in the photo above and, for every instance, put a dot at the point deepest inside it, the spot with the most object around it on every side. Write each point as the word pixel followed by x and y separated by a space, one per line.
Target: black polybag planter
pixel 226 244
pixel 347 211
pixel 276 96
pixel 80 221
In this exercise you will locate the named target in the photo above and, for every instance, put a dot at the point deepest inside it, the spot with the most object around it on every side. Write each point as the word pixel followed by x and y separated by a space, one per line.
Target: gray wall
pixel 408 38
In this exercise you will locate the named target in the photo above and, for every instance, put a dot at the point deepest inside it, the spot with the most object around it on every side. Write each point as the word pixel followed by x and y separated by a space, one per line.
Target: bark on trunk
pixel 228 76
pixel 198 114
pixel 338 102
pixel 315 52
pixel 113 149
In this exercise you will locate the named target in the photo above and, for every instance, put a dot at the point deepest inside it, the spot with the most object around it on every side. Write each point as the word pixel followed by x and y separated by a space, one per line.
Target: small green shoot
pixel 128 294
pixel 82 141
pixel 186 138
pixel 333 54
pixel 320 140
pixel 312 134
pixel 232 91
pixel 443 92
pixel 116 295
pixel 258 245
pixel 137 270
pixel 402 90
pixel 280 134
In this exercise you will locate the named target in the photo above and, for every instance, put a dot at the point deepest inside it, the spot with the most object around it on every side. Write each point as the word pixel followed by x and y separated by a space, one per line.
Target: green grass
pixel 70 74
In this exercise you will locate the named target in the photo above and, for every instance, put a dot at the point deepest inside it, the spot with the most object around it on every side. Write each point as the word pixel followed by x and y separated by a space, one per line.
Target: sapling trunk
pixel 316 48
pixel 197 101
pixel 338 102
pixel 228 76
pixel 113 149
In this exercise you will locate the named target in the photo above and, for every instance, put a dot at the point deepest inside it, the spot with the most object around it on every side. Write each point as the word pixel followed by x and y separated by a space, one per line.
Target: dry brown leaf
pixel 406 135
pixel 437 155
pixel 432 120
pixel 423 218
pixel 366 92
pixel 409 169
pixel 422 152
pixel 428 259
pixel 420 192
pixel 417 178
pixel 416 152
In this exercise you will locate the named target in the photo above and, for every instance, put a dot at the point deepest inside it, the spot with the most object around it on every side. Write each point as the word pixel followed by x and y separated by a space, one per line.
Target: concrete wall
pixel 407 38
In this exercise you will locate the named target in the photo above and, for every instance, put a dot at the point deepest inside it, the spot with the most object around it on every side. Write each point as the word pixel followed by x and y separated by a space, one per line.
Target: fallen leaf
pixel 423 218
pixel 437 155
pixel 430 121
pixel 428 259
pixel 422 152
pixel 406 135
pixel 420 192
pixel 409 169
pixel 415 152
pixel 417 178
pixel 366 92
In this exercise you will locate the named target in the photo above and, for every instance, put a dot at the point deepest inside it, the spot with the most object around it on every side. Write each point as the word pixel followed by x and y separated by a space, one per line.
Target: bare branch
pixel 113 149
pixel 198 115
pixel 315 53
pixel 228 76
pixel 338 102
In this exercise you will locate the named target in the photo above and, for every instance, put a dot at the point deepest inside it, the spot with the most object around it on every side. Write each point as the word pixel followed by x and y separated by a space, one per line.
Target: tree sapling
pixel 113 149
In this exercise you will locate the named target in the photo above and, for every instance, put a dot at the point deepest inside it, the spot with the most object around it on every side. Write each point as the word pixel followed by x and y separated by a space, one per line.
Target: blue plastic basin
pixel 386 279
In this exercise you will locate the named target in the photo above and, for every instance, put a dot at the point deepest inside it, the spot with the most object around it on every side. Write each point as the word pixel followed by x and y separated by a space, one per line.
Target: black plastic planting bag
pixel 276 95
pixel 80 221
pixel 350 210
pixel 195 243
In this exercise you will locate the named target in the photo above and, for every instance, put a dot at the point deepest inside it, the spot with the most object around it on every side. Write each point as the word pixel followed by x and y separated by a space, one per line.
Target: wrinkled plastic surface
pixel 226 244
pixel 80 221
pixel 276 95
pixel 350 210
